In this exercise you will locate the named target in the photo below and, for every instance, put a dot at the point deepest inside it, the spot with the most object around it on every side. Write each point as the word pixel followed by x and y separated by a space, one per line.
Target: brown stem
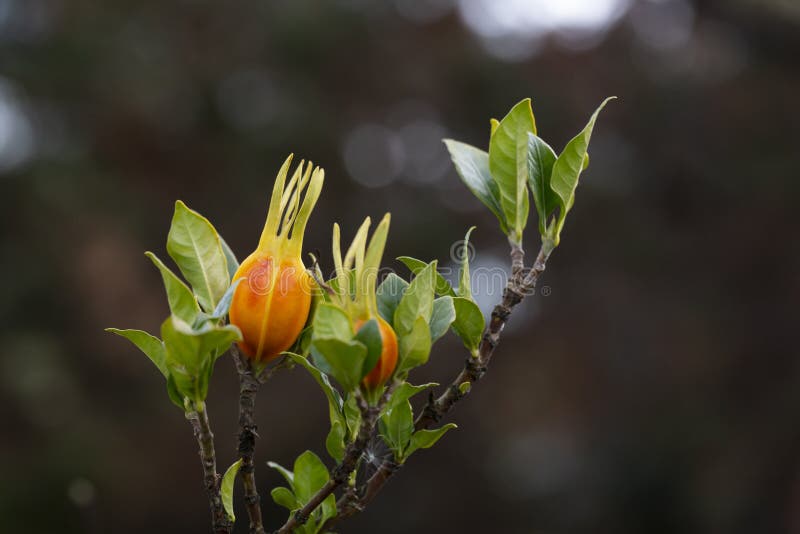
pixel 352 454
pixel 520 284
pixel 198 418
pixel 248 387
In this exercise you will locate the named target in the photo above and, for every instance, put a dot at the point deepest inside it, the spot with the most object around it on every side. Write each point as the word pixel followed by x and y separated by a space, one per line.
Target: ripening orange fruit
pixel 271 303
pixel 356 293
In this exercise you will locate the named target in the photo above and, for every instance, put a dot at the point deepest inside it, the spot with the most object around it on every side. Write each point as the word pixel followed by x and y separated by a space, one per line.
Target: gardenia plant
pixel 358 337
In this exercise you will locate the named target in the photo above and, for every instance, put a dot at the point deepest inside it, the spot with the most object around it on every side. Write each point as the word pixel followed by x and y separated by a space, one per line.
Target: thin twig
pixel 520 284
pixel 248 432
pixel 198 418
pixel 352 455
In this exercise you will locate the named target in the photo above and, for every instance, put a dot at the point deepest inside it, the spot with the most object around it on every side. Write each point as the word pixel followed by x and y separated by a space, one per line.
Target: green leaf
pixel 424 439
pixel 226 488
pixel 567 170
pixel 508 163
pixel 330 321
pixel 345 359
pixel 149 344
pixel 195 247
pixel 414 346
pixel 327 510
pixel 469 323
pixel 310 474
pixel 464 283
pixel 370 336
pixel 287 475
pixel 224 304
pixel 443 315
pixel 396 427
pixel 230 258
pixel 541 158
pixel 416 266
pixel 417 301
pixel 190 352
pixel 175 395
pixel 284 497
pixel 472 165
pixel 334 443
pixel 352 417
pixel 404 392
pixel 334 399
pixel 181 300
pixel 389 294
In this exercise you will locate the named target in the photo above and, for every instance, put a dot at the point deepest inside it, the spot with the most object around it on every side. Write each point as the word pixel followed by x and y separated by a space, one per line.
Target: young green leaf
pixel 404 392
pixel 226 488
pixel 182 302
pixel 389 294
pixel 567 170
pixel 540 165
pixel 424 439
pixel 464 283
pixel 310 474
pixel 152 347
pixel 442 317
pixel 396 427
pixel 195 247
pixel 417 301
pixel 334 443
pixel 416 266
pixel 284 497
pixel 508 164
pixel 472 165
pixel 414 346
pixel 224 304
pixel 469 323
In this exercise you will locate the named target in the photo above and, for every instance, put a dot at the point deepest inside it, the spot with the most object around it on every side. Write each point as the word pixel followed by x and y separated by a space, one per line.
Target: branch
pixel 342 472
pixel 248 387
pixel 520 284
pixel 198 418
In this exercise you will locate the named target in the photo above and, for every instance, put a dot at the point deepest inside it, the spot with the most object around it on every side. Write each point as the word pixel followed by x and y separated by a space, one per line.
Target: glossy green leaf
pixel 443 315
pixel 472 165
pixel 310 474
pixel 334 443
pixel 182 302
pixel 417 301
pixel 424 439
pixel 345 359
pixel 567 170
pixel 508 164
pixel 284 497
pixel 226 488
pixel 540 166
pixel 469 323
pixel 416 266
pixel 414 346
pixel 230 258
pixel 370 336
pixel 389 293
pixel 195 247
pixel 464 282
pixel 152 347
pixel 396 427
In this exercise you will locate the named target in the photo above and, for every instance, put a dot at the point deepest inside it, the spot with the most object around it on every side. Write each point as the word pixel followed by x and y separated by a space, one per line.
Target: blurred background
pixel 653 383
